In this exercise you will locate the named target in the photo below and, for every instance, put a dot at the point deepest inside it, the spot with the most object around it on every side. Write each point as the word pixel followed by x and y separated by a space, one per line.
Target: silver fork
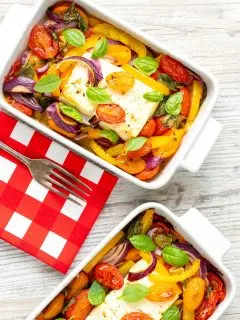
pixel 43 169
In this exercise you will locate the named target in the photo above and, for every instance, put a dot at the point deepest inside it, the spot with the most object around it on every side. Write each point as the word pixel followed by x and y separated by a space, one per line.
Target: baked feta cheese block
pixel 137 109
pixel 114 308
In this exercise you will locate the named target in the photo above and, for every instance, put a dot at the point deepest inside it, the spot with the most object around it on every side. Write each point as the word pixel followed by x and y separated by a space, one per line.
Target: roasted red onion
pixel 62 26
pixel 194 254
pixel 65 123
pixel 117 254
pixel 152 162
pixel 53 16
pixel 20 85
pixel 25 57
pixel 28 100
pixel 111 41
pixel 43 69
pixel 135 276
pixel 49 24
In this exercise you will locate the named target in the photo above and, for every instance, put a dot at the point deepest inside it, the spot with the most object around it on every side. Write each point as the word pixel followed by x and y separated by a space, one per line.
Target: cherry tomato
pixel 14 70
pixel 42 43
pixel 148 129
pixel 79 307
pixel 143 151
pixel 21 107
pixel 160 127
pixel 108 275
pixel 146 174
pixel 161 225
pixel 186 102
pixel 110 113
pixel 208 306
pixel 155 75
pixel 162 292
pixel 175 70
pixel 134 166
pixel 136 316
pixel 218 285
pixel 194 293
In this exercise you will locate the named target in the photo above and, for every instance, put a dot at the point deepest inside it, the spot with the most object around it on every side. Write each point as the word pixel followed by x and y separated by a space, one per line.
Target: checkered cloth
pixel 34 219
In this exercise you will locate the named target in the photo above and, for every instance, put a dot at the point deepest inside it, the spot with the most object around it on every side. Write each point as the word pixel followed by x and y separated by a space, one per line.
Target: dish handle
pixel 205 234
pixel 204 143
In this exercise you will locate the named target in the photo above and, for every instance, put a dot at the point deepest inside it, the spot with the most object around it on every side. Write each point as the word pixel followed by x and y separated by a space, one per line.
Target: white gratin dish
pixel 196 143
pixel 194 227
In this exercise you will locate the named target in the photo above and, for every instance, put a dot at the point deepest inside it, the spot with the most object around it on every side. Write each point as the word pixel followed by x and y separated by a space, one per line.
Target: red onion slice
pixel 135 276
pixel 25 57
pixel 117 254
pixel 53 16
pixel 19 85
pixel 152 162
pixel 28 100
pixel 62 26
pixel 43 69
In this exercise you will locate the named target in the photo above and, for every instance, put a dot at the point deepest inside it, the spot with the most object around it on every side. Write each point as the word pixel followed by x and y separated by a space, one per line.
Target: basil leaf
pixel 73 15
pixel 110 135
pixel 48 83
pixel 172 313
pixel 96 294
pixel 98 95
pixel 135 143
pixel 27 71
pixel 100 49
pixel 146 65
pixel 142 242
pixel 74 37
pixel 154 96
pixel 174 104
pixel 175 256
pixel 70 112
pixel 134 292
pixel 169 82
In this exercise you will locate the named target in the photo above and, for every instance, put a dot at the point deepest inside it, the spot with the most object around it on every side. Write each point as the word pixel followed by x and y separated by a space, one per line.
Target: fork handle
pixel 14 153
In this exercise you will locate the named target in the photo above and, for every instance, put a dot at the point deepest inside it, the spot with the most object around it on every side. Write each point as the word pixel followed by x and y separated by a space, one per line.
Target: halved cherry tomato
pixel 194 293
pixel 21 107
pixel 208 306
pixel 186 102
pixel 218 285
pixel 63 6
pixel 79 307
pixel 148 129
pixel 175 70
pixel 162 292
pixel 161 225
pixel 160 127
pixel 146 174
pixel 144 150
pixel 134 166
pixel 136 316
pixel 108 275
pixel 42 43
pixel 110 113
pixel 14 70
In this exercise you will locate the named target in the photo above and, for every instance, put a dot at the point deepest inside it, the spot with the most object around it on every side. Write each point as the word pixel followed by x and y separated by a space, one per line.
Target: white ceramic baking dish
pixel 196 143
pixel 194 227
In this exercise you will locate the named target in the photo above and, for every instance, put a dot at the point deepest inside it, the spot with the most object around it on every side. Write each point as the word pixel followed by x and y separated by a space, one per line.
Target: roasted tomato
pixel 217 284
pixel 19 106
pixel 79 307
pixel 136 316
pixel 175 70
pixel 146 174
pixel 160 127
pixel 42 43
pixel 208 305
pixel 108 275
pixel 186 102
pixel 143 151
pixel 148 129
pixel 14 70
pixel 110 113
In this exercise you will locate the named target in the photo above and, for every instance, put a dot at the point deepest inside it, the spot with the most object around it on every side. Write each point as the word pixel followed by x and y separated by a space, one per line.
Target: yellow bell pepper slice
pixel 111 32
pixel 155 85
pixel 116 150
pixel 126 266
pixel 104 251
pixel 92 21
pixel 101 153
pixel 170 149
pixel 188 315
pixel 176 278
pixel 159 141
pixel 90 43
pixel 147 220
pixel 196 95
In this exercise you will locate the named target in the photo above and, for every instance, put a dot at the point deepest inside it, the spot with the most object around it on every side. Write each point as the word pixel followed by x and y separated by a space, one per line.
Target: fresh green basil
pixel 135 143
pixel 174 104
pixel 142 242
pixel 96 294
pixel 74 37
pixel 146 65
pixel 135 292
pixel 175 256
pixel 72 15
pixel 48 83
pixel 153 96
pixel 98 95
pixel 172 313
pixel 100 49
pixel 27 71
pixel 110 135
pixel 169 82
pixel 70 112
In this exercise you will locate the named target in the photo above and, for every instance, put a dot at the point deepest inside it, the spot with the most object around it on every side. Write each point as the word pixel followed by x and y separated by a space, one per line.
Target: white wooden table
pixel 209 32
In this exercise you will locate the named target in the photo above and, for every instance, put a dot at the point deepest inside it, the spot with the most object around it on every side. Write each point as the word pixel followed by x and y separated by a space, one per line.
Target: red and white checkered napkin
pixel 34 219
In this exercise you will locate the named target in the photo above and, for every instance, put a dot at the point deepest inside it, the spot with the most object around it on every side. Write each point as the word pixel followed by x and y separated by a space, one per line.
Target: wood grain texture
pixel 209 33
